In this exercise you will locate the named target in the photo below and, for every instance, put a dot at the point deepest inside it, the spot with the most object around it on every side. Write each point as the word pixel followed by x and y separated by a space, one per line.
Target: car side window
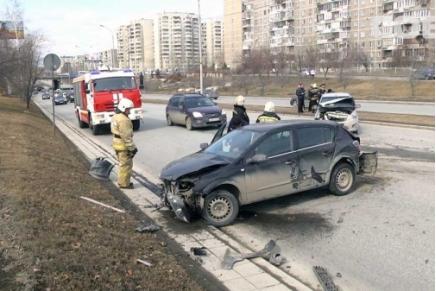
pixel 175 101
pixel 275 144
pixel 312 136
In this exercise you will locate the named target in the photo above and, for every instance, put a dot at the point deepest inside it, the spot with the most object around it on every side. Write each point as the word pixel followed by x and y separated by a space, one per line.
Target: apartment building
pixel 109 58
pixel 136 45
pixel 405 31
pixel 214 43
pixel 176 41
pixel 378 29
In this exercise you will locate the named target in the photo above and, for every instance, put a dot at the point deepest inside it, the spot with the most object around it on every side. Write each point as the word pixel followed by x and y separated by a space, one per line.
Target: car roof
pixel 264 127
pixel 337 94
pixel 188 95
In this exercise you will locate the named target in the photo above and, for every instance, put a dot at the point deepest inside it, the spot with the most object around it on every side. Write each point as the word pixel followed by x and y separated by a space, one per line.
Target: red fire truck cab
pixel 96 96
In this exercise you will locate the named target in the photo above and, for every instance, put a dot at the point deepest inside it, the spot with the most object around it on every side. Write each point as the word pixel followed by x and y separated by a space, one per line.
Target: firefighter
pixel 300 92
pixel 268 114
pixel 313 95
pixel 122 142
pixel 240 117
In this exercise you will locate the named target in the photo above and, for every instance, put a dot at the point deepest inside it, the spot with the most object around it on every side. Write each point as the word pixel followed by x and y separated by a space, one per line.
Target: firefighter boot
pixel 125 169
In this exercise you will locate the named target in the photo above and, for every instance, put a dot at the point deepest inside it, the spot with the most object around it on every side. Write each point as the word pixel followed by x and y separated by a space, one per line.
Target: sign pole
pixel 51 63
pixel 53 101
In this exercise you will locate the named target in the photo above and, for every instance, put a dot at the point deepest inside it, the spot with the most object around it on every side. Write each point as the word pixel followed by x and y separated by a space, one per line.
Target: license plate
pixel 214 119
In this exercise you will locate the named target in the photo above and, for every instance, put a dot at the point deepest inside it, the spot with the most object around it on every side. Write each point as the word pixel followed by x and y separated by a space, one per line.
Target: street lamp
pixel 113 43
pixel 200 48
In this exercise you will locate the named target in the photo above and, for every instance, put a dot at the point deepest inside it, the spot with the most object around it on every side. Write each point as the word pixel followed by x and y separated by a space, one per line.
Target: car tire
pixel 81 123
pixel 136 124
pixel 189 123
pixel 169 121
pixel 94 128
pixel 220 208
pixel 342 179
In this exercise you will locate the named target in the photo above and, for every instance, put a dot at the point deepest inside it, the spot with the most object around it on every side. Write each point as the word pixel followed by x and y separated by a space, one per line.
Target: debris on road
pixel 148 264
pixel 325 279
pixel 271 252
pixel 102 204
pixel 147 227
pixel 199 251
pixel 101 168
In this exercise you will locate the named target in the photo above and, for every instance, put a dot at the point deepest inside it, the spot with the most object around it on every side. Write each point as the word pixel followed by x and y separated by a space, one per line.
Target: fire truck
pixel 97 94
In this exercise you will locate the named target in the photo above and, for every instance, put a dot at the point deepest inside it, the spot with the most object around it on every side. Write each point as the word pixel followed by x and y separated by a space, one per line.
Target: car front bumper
pixel 206 121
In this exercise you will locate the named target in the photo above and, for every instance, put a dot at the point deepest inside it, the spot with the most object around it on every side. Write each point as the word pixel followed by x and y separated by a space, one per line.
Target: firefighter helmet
pixel 269 107
pixel 240 100
pixel 125 104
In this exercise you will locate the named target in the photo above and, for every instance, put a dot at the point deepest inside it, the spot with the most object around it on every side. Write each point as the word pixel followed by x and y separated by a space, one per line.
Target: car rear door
pixel 173 107
pixel 277 174
pixel 316 148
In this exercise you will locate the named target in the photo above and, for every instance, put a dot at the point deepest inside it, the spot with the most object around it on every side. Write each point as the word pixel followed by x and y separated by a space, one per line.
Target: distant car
pixel 339 107
pixel 60 98
pixel 193 111
pixel 211 92
pixel 424 74
pixel 45 95
pixel 260 162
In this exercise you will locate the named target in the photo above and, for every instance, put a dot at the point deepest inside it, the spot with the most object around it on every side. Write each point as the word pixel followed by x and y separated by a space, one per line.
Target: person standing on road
pixel 122 142
pixel 313 96
pixel 300 92
pixel 268 114
pixel 240 117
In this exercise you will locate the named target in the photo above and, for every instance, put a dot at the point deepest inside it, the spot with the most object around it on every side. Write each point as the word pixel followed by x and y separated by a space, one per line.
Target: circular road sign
pixel 52 62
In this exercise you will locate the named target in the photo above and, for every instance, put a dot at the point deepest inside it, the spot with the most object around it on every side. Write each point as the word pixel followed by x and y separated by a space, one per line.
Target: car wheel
pixel 169 121
pixel 220 208
pixel 189 123
pixel 81 123
pixel 136 124
pixel 342 179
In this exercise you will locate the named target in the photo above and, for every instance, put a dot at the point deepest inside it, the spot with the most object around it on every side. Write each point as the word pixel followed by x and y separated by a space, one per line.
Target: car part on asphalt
pixel 325 279
pixel 147 227
pixel 101 168
pixel 271 251
pixel 201 251
pixel 102 204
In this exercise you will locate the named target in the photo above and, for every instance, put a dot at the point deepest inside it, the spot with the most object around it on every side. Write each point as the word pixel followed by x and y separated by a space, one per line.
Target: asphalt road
pixel 418 108
pixel 380 237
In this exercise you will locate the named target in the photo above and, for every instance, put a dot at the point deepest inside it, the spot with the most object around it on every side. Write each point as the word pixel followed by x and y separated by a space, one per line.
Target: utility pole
pixel 200 50
pixel 113 43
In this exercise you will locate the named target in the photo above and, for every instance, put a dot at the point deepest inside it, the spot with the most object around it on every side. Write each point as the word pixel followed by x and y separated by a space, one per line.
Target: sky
pixel 73 27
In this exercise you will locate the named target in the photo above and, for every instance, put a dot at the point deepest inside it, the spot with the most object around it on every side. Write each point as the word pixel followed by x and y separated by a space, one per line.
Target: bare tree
pixel 344 63
pixel 328 59
pixel 362 58
pixel 312 57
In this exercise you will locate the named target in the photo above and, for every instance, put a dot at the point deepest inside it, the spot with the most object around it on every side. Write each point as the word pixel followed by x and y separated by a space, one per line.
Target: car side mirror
pixel 87 91
pixel 204 145
pixel 256 159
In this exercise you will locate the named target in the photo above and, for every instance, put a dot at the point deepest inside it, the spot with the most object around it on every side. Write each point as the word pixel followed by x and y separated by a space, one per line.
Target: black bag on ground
pixel 101 168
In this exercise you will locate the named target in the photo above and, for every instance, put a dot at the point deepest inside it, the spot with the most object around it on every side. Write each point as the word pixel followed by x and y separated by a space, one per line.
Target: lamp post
pixel 113 43
pixel 200 49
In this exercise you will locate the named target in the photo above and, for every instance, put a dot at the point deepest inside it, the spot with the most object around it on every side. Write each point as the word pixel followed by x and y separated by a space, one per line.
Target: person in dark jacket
pixel 300 97
pixel 313 95
pixel 240 117
pixel 268 114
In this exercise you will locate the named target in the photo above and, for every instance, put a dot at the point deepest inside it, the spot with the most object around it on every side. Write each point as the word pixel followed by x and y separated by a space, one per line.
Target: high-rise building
pixel 176 41
pixel 109 58
pixel 214 43
pixel 136 45
pixel 378 30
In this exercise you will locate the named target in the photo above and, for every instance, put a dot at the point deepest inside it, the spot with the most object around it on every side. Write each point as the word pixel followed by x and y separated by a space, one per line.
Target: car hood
pixel 206 109
pixel 191 164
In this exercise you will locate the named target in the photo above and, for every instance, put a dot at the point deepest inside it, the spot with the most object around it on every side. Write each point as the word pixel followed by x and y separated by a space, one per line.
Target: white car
pixel 339 107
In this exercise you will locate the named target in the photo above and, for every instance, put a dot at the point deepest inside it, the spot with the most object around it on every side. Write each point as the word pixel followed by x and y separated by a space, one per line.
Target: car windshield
pixel 115 83
pixel 234 144
pixel 194 102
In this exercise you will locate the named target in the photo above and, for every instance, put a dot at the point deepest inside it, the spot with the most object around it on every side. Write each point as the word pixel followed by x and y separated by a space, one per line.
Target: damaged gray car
pixel 260 162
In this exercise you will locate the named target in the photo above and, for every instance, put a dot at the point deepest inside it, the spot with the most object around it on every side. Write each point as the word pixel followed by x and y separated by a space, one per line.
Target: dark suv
pixel 260 162
pixel 193 111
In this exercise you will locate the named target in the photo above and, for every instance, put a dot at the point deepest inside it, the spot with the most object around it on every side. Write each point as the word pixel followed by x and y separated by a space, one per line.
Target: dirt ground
pixel 52 240
pixel 361 89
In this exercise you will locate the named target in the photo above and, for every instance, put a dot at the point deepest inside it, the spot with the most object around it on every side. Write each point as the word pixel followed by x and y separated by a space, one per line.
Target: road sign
pixel 52 62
